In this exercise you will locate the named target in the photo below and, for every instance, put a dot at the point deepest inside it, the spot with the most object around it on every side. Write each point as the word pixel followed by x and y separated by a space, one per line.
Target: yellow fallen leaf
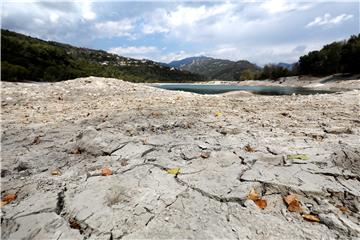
pixel 106 172
pixel 56 172
pixel 218 114
pixel 174 171
pixel 311 218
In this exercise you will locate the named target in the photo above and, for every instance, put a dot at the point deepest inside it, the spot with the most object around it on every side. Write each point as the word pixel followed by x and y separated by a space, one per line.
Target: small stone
pixel 205 154
pixel 4 172
pixel 22 166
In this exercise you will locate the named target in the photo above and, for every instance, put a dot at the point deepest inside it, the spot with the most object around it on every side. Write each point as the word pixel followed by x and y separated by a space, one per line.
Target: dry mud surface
pixel 57 137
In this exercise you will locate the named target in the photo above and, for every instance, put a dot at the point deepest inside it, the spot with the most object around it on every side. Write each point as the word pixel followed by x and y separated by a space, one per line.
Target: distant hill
pixel 217 68
pixel 27 58
pixel 186 61
pixel 288 66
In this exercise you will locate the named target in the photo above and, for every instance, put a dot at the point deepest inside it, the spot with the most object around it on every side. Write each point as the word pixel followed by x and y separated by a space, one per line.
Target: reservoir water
pixel 219 88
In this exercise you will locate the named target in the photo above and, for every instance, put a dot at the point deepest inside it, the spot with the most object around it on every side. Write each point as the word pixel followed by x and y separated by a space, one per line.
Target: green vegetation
pixel 27 58
pixel 271 71
pixel 247 74
pixel 337 57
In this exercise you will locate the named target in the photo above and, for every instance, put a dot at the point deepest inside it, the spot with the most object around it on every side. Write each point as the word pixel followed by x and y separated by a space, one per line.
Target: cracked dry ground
pixel 57 137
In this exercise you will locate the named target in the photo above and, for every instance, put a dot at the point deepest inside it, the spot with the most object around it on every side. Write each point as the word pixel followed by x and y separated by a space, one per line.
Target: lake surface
pixel 219 88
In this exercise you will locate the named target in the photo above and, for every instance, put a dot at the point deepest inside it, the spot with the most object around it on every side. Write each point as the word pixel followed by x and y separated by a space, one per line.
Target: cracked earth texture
pixel 224 146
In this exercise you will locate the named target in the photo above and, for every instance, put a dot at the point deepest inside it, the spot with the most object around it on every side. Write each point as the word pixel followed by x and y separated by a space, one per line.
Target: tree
pixel 350 55
pixel 247 74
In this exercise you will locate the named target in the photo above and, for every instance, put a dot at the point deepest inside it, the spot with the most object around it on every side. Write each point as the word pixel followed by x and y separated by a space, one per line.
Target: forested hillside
pixel 333 58
pixel 337 57
pixel 27 58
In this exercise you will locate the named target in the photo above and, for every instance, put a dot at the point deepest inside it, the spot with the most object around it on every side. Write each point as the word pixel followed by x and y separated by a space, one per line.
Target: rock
pixel 333 222
pixel 347 158
pixel 338 130
pixel 4 172
pixel 291 177
pixel 97 143
pixel 40 226
pixel 124 201
pixel 22 166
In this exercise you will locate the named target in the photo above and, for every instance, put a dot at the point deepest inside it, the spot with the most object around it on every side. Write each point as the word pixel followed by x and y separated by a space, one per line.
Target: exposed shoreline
pixel 224 147
pixel 336 81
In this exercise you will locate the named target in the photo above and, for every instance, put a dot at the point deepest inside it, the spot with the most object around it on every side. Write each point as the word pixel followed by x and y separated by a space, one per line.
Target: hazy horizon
pixel 259 31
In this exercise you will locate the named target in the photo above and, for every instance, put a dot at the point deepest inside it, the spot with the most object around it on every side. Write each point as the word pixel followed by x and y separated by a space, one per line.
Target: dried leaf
pixel 74 224
pixel 217 114
pixel 342 209
pixel 36 140
pixel 293 203
pixel 76 151
pixel 248 148
pixel 106 172
pixel 261 203
pixel 253 195
pixel 174 171
pixel 311 218
pixel 124 162
pixel 7 199
pixel 294 207
pixel 298 156
pixel 56 172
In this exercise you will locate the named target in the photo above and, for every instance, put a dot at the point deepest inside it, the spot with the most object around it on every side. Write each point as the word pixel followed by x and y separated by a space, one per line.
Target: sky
pixel 268 31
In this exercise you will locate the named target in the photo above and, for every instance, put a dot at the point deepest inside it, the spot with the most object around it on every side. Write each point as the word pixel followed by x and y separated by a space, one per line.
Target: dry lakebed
pixel 97 158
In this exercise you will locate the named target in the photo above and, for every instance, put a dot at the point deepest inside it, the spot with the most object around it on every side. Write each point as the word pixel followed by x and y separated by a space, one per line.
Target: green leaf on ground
pixel 174 171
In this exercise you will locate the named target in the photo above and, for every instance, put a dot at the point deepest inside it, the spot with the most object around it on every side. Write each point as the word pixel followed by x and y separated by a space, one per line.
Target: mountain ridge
pixel 28 58
pixel 220 69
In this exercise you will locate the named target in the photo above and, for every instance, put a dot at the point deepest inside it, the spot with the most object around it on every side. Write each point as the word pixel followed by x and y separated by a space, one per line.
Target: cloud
pixel 165 21
pixel 328 21
pixel 139 52
pixel 221 22
pixel 280 6
pixel 119 28
pixel 261 31
pixel 47 20
pixel 86 10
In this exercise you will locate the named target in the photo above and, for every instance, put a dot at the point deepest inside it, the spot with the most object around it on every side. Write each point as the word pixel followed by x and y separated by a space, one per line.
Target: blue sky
pixel 268 31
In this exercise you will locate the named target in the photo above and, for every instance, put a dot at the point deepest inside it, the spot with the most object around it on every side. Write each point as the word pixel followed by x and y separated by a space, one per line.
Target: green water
pixel 218 88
